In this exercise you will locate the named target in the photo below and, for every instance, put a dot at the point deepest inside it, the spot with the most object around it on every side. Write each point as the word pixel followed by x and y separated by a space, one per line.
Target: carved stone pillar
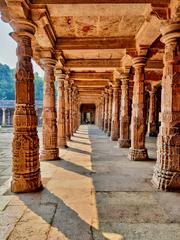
pixel 3 117
pixel 67 117
pixel 110 112
pixel 49 115
pixel 106 97
pixel 115 112
pixel 138 150
pixel 70 112
pixel 102 113
pixel 167 169
pixel 60 77
pixel 124 141
pixel 25 148
pixel 152 130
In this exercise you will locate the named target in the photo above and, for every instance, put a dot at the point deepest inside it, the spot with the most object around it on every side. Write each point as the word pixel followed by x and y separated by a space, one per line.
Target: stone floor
pixel 93 193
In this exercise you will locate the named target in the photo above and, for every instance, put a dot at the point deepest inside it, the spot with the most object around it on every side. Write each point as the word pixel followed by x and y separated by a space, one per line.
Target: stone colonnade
pixel 58 126
pixel 114 112
pixel 131 134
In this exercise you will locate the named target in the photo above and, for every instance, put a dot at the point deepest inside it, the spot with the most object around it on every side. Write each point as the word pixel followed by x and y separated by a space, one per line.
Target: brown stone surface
pixel 49 114
pixel 26 167
pixel 138 150
pixel 124 140
pixel 61 119
pixel 167 170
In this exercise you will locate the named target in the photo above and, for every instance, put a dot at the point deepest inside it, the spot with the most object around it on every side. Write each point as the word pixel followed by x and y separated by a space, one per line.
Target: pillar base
pixel 166 180
pixel 26 183
pixel 138 154
pixel 108 133
pixel 49 154
pixel 113 138
pixel 63 146
pixel 124 143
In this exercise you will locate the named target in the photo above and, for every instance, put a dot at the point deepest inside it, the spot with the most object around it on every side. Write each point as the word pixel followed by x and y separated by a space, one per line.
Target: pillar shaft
pixel 167 169
pixel 25 148
pixel 49 115
pixel 70 112
pixel 152 130
pixel 67 117
pixel 102 112
pixel 124 140
pixel 106 99
pixel 61 110
pixel 138 150
pixel 115 113
pixel 3 117
pixel 110 112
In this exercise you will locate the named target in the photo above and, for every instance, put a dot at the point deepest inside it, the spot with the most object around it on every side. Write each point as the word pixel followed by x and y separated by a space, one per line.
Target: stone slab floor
pixel 93 193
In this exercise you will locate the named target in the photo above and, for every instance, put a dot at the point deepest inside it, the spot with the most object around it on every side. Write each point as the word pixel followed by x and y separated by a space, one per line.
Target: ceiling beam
pixel 93 63
pixel 95 43
pixel 98 1
pixel 91 75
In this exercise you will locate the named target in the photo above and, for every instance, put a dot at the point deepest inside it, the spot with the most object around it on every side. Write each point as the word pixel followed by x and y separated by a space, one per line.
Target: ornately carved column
pixel 152 130
pixel 67 117
pixel 106 110
pixel 26 168
pixel 167 169
pixel 124 141
pixel 60 77
pixel 102 112
pixel 115 112
pixel 110 112
pixel 49 115
pixel 70 112
pixel 138 150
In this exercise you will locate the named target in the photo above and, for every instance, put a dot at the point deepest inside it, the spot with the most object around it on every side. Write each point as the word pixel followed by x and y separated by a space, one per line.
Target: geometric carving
pixel 49 115
pixel 25 147
pixel 138 150
pixel 167 169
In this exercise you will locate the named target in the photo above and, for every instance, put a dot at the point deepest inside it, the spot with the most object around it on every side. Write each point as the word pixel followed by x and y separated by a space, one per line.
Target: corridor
pixel 93 193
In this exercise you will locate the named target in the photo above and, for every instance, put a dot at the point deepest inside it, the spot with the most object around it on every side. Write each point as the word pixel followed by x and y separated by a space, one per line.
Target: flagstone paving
pixel 93 193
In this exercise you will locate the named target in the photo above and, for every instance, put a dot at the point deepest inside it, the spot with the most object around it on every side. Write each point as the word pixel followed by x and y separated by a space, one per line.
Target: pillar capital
pixel 139 61
pixel 48 63
pixel 22 28
pixel 170 30
pixel 124 78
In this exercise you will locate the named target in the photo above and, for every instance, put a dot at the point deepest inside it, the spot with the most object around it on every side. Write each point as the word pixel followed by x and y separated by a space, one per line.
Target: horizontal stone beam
pixel 91 83
pixel 95 43
pixel 106 63
pixel 91 75
pixel 97 1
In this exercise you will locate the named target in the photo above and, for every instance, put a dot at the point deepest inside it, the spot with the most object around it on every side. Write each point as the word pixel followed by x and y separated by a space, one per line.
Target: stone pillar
pixel 167 169
pixel 106 97
pixel 115 112
pixel 49 115
pixel 67 117
pixel 25 147
pixel 124 141
pixel 70 111
pixel 3 117
pixel 138 150
pixel 152 130
pixel 109 112
pixel 103 109
pixel 60 77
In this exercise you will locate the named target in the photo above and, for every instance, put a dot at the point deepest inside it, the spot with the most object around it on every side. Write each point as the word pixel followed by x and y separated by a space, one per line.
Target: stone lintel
pixel 95 43
pixel 99 1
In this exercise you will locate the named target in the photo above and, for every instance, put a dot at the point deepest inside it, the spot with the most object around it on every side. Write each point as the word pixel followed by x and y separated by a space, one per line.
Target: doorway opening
pixel 88 113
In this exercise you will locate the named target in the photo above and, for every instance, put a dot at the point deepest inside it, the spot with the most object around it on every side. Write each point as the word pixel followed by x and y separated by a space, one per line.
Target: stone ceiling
pixel 94 36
